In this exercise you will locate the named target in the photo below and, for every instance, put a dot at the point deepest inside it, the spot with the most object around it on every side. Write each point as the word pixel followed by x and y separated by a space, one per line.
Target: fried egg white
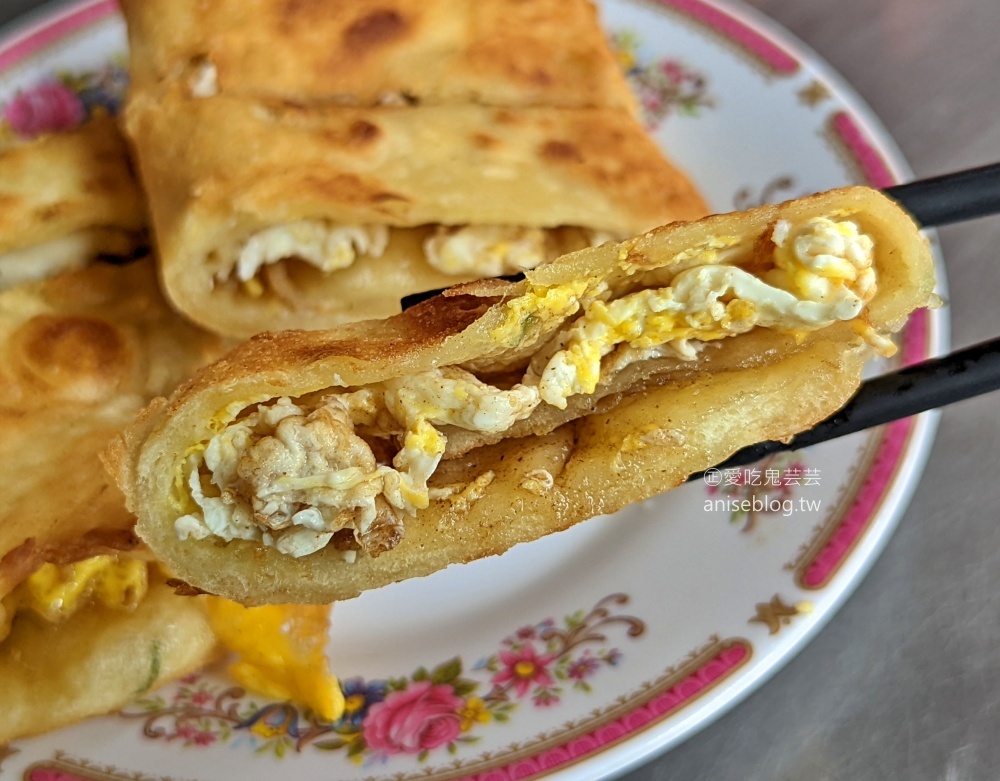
pixel 326 246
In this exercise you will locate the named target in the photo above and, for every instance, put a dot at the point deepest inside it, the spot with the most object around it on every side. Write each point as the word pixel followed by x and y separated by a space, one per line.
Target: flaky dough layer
pixel 496 53
pixel 66 182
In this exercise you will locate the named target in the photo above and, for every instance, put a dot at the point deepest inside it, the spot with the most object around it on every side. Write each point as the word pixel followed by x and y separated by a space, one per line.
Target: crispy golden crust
pixel 219 170
pixel 401 166
pixel 492 52
pixel 80 354
pixel 398 113
pixel 66 182
pixel 643 439
pixel 98 660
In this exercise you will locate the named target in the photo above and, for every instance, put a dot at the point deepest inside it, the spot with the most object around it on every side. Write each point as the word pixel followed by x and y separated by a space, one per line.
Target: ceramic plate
pixel 588 652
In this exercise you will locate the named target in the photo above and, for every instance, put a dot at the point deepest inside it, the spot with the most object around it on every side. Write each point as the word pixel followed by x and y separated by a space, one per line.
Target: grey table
pixel 904 683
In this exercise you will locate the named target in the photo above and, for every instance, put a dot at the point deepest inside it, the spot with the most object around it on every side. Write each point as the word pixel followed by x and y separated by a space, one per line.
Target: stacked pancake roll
pixel 311 466
pixel 88 617
pixel 301 168
pixel 380 149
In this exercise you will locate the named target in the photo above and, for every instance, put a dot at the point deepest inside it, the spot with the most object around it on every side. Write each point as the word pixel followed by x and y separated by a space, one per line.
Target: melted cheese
pixel 281 652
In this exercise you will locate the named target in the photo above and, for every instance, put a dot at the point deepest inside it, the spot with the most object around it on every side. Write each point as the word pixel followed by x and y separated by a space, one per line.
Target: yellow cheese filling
pixel 281 652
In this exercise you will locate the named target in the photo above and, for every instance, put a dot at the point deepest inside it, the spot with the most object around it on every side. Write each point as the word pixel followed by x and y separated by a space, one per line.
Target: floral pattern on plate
pixel 420 714
pixel 663 86
pixel 64 101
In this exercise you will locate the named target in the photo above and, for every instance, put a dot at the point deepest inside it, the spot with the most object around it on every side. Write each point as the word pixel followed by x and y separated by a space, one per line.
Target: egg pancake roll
pixel 371 52
pixel 272 216
pixel 65 199
pixel 311 466
pixel 86 620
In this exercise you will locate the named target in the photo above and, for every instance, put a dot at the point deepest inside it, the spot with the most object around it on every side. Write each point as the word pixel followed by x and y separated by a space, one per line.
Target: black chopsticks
pixel 955 197
pixel 894 396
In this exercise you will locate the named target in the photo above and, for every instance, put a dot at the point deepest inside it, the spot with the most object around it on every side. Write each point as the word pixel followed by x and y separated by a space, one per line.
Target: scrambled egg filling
pixel 823 273
pixel 57 592
pixel 326 246
pixel 292 475
pixel 467 250
pixel 487 250
pixel 295 475
pixel 494 250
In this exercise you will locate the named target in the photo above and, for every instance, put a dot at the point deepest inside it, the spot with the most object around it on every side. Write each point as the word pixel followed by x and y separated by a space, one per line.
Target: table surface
pixel 904 683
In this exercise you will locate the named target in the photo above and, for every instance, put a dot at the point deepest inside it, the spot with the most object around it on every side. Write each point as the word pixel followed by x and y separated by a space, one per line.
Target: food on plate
pixel 82 352
pixel 267 184
pixel 311 466
pixel 375 52
pixel 276 205
pixel 88 618
pixel 67 198
pixel 337 213
pixel 85 621
pixel 89 637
